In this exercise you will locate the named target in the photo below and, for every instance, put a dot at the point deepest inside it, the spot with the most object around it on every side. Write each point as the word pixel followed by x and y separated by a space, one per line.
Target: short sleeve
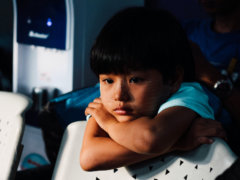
pixel 192 96
pixel 88 117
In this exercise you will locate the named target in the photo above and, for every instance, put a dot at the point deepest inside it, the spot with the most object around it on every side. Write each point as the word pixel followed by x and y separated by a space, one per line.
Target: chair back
pixel 206 162
pixel 12 108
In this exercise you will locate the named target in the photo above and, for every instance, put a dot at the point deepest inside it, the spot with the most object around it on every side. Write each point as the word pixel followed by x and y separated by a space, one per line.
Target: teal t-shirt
pixel 191 95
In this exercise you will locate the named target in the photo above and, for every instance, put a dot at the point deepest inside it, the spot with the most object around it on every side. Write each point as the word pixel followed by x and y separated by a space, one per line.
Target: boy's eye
pixel 108 81
pixel 136 80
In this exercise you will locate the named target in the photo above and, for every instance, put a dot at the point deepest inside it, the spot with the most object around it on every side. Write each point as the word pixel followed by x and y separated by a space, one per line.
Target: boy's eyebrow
pixel 103 75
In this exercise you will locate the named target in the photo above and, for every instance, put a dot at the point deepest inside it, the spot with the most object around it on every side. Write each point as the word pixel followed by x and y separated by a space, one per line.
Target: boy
pixel 148 95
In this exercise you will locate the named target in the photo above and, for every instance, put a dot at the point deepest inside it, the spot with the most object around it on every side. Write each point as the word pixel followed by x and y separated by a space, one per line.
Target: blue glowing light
pixel 49 22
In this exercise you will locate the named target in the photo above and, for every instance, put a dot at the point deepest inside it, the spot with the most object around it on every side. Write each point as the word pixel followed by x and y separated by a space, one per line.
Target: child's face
pixel 130 96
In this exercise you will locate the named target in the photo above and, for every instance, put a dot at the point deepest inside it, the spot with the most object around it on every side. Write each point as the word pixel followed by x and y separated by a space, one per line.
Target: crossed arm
pixel 109 144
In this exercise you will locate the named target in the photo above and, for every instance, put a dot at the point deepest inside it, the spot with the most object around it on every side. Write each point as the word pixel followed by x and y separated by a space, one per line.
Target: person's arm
pixel 116 144
pixel 209 75
pixel 200 132
pixel 144 135
pixel 205 72
pixel 100 152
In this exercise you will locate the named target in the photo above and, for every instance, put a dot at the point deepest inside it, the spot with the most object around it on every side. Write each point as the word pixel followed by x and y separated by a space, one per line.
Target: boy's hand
pixel 100 114
pixel 201 132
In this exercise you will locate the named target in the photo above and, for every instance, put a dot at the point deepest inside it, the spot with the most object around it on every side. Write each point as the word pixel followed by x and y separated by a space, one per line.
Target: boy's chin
pixel 125 118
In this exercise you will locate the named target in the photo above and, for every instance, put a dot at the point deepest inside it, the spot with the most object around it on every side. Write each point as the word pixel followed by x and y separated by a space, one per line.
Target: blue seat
pixel 60 112
pixel 70 107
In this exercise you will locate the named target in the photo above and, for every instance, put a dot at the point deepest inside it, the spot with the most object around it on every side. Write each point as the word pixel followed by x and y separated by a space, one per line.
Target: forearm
pixel 152 136
pixel 205 72
pixel 100 152
pixel 139 136
pixel 104 153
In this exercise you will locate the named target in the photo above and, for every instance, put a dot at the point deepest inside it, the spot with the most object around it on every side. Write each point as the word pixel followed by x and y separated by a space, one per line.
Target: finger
pixel 213 131
pixel 93 105
pixel 97 100
pixel 222 135
pixel 205 140
pixel 88 111
pixel 208 122
pixel 213 124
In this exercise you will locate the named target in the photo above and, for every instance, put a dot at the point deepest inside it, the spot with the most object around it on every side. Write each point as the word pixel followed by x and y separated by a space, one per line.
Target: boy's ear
pixel 178 79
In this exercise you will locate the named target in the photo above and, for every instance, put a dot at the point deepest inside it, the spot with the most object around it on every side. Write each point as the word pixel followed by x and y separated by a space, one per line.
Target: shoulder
pixel 189 90
pixel 193 96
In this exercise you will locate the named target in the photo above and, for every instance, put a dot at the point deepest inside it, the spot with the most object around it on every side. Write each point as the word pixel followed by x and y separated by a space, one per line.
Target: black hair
pixel 140 38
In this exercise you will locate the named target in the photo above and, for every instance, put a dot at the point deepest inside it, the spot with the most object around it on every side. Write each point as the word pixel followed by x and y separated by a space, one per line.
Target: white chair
pixel 12 108
pixel 204 163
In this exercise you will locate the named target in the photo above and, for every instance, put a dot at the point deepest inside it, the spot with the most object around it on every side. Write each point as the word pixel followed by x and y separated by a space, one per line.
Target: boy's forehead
pixel 130 72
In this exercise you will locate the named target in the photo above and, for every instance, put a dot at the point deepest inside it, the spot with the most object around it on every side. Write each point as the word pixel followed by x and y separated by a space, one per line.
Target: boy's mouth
pixel 123 111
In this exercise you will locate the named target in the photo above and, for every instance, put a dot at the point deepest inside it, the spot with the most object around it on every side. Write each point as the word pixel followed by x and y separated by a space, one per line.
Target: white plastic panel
pixel 206 162
pixel 12 108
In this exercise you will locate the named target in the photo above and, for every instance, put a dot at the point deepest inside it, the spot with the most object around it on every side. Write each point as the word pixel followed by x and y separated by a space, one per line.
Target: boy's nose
pixel 122 93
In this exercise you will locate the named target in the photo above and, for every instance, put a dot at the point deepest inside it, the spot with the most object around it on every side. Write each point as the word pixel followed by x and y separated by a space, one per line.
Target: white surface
pixel 206 162
pixel 12 107
pixel 13 104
